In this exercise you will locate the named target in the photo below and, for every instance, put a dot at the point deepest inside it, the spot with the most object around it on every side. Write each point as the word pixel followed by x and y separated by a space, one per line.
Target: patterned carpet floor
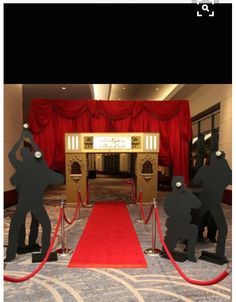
pixel 159 282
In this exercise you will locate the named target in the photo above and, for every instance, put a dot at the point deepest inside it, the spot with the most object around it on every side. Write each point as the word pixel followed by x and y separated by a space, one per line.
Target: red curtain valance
pixel 50 119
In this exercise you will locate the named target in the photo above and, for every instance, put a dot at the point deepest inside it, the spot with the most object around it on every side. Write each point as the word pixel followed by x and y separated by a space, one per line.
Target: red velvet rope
pixel 131 182
pixel 12 279
pixel 145 220
pixel 149 215
pixel 215 280
pixel 75 214
pixel 79 198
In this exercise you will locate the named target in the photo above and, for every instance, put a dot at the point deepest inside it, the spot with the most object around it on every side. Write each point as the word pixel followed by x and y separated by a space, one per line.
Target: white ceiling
pixel 143 91
pixel 158 92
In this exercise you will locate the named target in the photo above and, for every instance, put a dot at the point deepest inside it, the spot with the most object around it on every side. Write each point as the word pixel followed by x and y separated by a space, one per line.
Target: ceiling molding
pixel 173 92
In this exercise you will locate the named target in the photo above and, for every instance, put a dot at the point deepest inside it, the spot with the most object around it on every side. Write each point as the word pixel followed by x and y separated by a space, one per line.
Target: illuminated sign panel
pixel 111 143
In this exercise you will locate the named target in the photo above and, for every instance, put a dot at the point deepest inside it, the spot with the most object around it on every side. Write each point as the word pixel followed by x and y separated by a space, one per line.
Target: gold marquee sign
pixel 135 142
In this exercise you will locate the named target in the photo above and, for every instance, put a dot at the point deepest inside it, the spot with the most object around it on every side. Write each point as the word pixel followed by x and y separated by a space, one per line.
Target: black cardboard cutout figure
pixel 31 178
pixel 214 178
pixel 177 206
pixel 33 235
pixel 211 228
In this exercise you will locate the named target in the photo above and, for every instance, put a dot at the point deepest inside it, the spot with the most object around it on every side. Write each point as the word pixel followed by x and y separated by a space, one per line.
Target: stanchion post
pixel 132 202
pixel 88 205
pixel 139 210
pixel 229 268
pixel 153 251
pixel 78 217
pixel 63 251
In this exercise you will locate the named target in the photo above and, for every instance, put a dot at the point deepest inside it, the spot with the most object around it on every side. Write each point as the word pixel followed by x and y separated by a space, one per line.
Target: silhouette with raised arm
pixel 177 206
pixel 31 179
pixel 214 179
pixel 33 235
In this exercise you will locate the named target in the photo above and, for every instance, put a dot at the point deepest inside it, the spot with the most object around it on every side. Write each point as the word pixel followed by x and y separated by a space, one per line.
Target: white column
pixel 99 159
pixel 124 163
pixel 91 159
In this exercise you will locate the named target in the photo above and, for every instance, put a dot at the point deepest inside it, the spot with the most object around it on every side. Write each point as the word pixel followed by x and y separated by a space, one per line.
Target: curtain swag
pixel 49 120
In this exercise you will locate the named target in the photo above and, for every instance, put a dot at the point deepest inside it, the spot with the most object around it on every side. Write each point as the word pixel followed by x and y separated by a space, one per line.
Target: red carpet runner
pixel 109 239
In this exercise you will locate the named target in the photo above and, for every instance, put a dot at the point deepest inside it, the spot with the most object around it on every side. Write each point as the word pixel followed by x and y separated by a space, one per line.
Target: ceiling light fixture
pixel 124 88
pixel 156 88
pixel 63 88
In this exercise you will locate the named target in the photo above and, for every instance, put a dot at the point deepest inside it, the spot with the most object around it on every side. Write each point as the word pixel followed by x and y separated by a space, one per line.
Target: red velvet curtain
pixel 50 119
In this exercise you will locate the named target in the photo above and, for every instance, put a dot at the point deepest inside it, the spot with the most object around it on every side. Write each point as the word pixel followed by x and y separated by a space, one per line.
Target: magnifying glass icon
pixel 205 7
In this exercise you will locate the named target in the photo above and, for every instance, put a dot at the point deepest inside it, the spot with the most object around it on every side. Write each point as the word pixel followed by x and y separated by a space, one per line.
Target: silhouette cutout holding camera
pixel 31 179
pixel 177 206
pixel 214 179
pixel 33 235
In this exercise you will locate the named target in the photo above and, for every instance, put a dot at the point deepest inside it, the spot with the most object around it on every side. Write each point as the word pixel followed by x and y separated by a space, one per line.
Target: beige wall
pixel 13 121
pixel 225 142
pixel 205 97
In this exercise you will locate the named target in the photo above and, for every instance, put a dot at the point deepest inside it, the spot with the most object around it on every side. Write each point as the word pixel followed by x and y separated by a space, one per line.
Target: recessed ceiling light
pixel 63 88
pixel 123 87
pixel 156 88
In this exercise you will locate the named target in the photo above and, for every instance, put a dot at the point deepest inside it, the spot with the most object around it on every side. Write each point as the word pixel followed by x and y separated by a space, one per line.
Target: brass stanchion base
pixel 138 220
pixel 153 252
pixel 63 252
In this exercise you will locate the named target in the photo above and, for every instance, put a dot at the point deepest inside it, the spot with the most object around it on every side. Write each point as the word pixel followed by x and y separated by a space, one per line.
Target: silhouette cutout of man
pixel 33 235
pixel 34 222
pixel 177 206
pixel 214 179
pixel 31 178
